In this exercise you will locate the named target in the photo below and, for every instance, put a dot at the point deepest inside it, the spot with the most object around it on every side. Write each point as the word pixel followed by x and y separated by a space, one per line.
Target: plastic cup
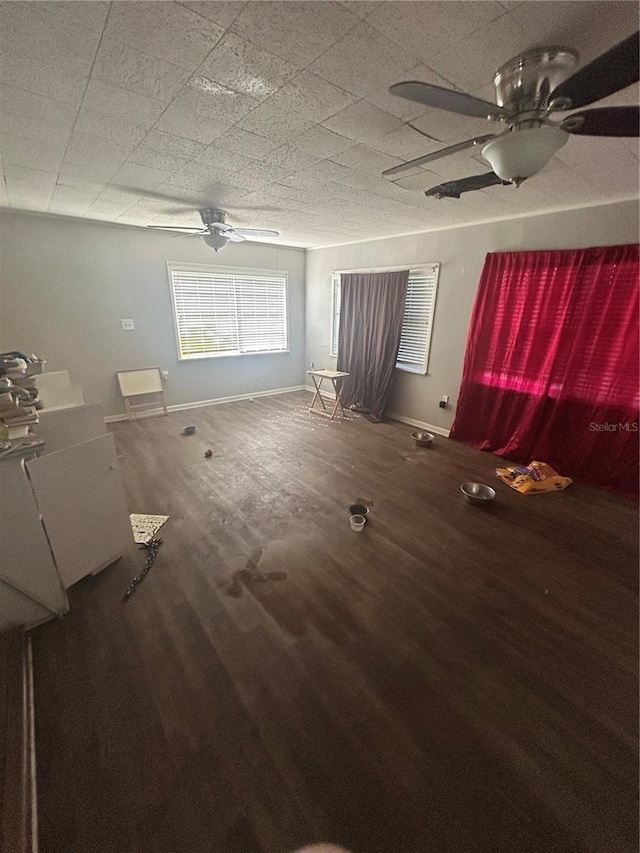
pixel 357 523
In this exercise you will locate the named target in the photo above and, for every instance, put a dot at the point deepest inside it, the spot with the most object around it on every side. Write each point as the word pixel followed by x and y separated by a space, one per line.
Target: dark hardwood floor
pixel 454 679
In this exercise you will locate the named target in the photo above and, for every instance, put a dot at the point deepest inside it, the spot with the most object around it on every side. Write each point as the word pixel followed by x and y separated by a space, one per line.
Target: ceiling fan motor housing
pixel 526 81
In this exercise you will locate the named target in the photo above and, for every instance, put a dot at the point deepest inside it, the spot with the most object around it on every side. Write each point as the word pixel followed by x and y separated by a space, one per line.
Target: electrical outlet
pixel 165 375
pixel 444 401
pixel 128 325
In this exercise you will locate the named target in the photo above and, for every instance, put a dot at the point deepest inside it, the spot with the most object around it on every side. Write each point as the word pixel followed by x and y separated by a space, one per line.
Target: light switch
pixel 128 325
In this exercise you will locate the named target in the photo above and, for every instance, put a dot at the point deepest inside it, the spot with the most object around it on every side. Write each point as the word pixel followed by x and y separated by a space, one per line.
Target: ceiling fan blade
pixel 233 236
pixel 454 189
pixel 220 226
pixel 256 232
pixel 614 70
pixel 446 99
pixel 184 230
pixel 607 121
pixel 435 155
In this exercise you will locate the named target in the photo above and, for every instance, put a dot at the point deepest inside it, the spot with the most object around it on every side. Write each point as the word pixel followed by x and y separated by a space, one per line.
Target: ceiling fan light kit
pixel 528 89
pixel 216 240
pixel 522 153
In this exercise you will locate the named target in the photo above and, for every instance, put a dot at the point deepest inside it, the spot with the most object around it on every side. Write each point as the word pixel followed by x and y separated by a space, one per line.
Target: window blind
pixel 417 322
pixel 223 312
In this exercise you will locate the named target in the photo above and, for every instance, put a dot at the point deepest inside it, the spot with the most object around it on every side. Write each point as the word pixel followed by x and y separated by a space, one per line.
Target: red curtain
pixel 551 367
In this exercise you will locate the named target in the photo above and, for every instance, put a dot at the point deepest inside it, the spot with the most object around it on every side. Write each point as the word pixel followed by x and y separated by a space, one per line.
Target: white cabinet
pixel 80 494
pixel 63 515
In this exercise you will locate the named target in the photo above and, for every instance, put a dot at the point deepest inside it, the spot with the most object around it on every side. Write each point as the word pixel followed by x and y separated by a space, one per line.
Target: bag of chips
pixel 533 479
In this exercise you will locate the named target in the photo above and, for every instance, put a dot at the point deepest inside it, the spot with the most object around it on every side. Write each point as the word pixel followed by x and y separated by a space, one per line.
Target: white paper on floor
pixel 145 527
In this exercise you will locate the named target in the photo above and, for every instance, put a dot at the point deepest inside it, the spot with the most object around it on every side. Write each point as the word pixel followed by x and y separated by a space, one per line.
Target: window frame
pixel 179 266
pixel 422 269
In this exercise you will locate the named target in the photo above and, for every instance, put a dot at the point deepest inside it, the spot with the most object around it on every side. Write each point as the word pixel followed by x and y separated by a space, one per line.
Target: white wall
pixel 461 252
pixel 67 283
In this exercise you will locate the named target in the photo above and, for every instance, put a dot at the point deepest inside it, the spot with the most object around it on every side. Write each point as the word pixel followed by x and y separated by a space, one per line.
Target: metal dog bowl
pixel 359 509
pixel 477 493
pixel 422 438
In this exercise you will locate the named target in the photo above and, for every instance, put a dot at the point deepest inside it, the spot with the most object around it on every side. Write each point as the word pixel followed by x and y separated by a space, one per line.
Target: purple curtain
pixel 371 312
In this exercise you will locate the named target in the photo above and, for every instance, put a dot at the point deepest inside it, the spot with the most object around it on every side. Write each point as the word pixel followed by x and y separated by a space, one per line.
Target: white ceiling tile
pixel 87 150
pixel 196 176
pixel 14 125
pixel 165 30
pixel 426 29
pixel 50 81
pixel 361 8
pixel 24 175
pixel 363 61
pixel 291 158
pixel 120 130
pixel 191 115
pixel 130 69
pixel 298 32
pixel 226 103
pixel 240 65
pixel 223 158
pixel 604 162
pixel 367 160
pixel 167 143
pixel 222 194
pixel 143 155
pixel 362 122
pixel 32 153
pixel 323 142
pixel 222 12
pixel 258 175
pixel 275 124
pixel 80 196
pixel 405 143
pixel 75 175
pixel 54 33
pixel 474 60
pixel 140 177
pixel 312 97
pixel 112 101
pixel 247 143
pixel 22 103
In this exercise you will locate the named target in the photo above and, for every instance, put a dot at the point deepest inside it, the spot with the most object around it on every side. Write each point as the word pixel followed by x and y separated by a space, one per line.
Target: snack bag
pixel 533 479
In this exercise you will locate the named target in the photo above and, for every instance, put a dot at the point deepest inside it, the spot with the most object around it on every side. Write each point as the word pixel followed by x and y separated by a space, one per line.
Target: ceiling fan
pixel 216 232
pixel 529 89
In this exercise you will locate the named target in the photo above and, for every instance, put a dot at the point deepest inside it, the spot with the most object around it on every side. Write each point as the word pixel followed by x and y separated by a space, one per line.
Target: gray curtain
pixel 371 312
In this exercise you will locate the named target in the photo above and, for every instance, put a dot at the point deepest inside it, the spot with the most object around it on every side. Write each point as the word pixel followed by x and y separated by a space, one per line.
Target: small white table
pixel 335 377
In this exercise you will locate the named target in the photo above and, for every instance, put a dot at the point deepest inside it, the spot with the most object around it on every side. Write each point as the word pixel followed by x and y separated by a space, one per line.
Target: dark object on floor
pixel 359 509
pixel 208 454
pixel 188 430
pixel 152 545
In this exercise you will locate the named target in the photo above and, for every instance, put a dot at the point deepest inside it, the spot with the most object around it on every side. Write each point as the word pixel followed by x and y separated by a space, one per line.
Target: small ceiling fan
pixel 529 89
pixel 216 232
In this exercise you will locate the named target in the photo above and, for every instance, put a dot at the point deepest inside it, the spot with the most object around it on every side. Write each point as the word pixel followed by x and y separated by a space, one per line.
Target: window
pixel 220 311
pixel 420 303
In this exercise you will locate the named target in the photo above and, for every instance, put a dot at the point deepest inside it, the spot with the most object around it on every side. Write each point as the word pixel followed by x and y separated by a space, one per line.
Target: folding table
pixel 335 377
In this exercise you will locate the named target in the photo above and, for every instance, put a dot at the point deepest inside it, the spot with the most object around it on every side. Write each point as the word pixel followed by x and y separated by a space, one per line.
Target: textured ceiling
pixel 279 111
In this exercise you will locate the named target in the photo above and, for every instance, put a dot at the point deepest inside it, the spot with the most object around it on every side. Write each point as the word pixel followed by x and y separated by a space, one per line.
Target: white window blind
pixel 228 312
pixel 417 322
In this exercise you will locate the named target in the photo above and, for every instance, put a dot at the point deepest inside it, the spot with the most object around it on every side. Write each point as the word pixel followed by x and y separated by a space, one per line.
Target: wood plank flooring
pixel 454 679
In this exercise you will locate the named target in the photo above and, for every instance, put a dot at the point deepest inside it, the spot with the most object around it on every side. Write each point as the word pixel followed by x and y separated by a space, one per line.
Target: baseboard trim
pixel 201 404
pixel 328 394
pixel 395 416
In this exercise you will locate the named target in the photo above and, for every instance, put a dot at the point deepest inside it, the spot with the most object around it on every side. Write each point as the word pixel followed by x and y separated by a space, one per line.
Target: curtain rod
pixel 387 269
